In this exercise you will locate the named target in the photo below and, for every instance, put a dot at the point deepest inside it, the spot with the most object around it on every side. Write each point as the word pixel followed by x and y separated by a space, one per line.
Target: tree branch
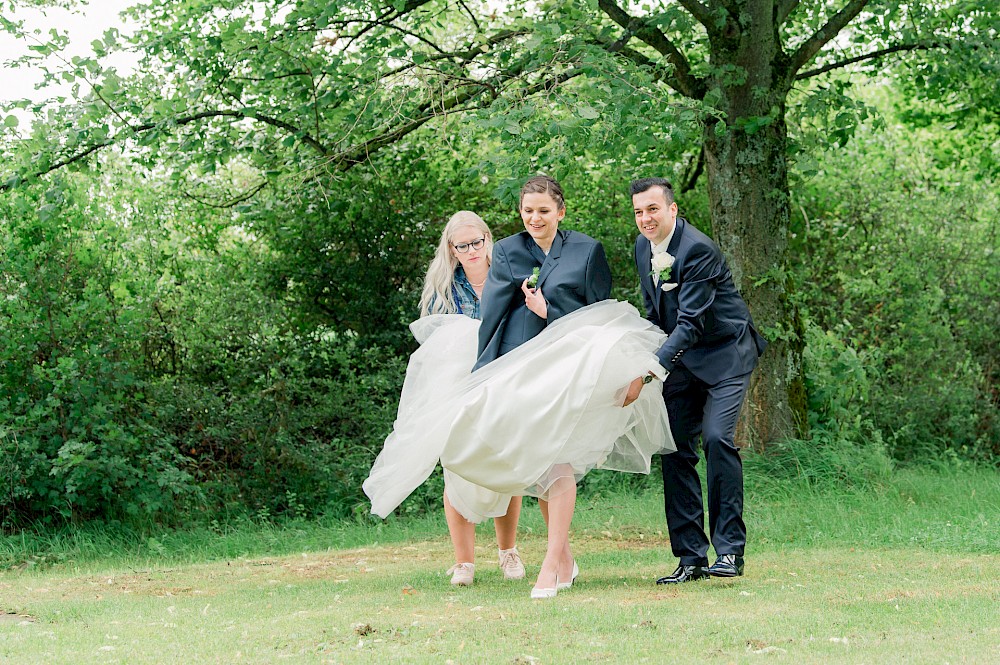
pixel 472 16
pixel 387 17
pixel 249 194
pixel 693 171
pixel 409 33
pixel 638 58
pixel 682 80
pixel 276 77
pixel 185 120
pixel 280 124
pixel 808 50
pixel 868 56
pixel 702 13
pixel 363 152
pixel 784 9
pixel 458 101
pixel 467 56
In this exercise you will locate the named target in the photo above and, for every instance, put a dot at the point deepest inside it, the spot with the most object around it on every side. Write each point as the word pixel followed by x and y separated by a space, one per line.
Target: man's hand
pixel 634 389
pixel 534 300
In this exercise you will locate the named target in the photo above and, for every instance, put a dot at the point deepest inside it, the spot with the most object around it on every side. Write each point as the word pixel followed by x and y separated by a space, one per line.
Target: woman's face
pixel 541 216
pixel 466 238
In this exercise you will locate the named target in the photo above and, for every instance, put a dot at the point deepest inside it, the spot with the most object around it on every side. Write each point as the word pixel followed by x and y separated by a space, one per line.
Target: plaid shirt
pixel 465 296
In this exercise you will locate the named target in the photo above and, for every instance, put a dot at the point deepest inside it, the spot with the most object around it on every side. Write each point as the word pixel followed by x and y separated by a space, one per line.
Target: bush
pixel 845 448
pixel 293 432
pixel 76 440
pixel 904 279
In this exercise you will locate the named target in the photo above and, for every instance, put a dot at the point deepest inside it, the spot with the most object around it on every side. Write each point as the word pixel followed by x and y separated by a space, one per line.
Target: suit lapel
pixel 672 247
pixel 552 260
pixel 675 242
pixel 643 254
pixel 536 252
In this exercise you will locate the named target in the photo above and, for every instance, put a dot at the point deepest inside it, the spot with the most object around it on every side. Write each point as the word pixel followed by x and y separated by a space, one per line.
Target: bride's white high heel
pixel 549 592
pixel 565 585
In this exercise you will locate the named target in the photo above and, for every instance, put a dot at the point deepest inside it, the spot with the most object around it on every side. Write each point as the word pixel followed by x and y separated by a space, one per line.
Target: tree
pixel 757 52
pixel 305 91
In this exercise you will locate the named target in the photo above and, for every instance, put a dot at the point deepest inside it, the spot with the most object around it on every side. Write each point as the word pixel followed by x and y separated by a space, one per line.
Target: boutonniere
pixel 533 278
pixel 668 286
pixel 661 262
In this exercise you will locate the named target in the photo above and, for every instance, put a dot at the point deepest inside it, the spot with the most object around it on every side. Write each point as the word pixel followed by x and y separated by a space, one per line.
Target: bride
pixel 544 404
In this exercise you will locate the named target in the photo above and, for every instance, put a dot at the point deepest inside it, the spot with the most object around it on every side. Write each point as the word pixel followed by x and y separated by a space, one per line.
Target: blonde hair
pixel 437 297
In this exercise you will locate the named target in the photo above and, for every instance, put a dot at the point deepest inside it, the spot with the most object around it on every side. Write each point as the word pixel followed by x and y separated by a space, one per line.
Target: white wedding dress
pixel 549 409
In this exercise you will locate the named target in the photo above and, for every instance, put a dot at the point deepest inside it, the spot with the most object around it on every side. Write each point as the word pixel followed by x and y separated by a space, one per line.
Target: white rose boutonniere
pixel 661 263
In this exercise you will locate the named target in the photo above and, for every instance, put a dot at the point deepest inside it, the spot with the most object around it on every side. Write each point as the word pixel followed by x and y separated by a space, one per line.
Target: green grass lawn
pixel 909 572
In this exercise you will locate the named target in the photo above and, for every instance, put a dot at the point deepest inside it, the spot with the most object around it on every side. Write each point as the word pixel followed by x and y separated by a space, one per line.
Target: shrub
pixel 905 279
pixel 294 432
pixel 76 440
pixel 845 448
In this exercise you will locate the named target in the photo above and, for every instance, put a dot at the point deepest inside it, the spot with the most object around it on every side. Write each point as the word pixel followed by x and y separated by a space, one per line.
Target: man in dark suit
pixel 711 349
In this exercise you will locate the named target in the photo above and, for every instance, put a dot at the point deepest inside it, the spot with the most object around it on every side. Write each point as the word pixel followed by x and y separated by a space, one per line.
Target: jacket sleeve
pixel 498 292
pixel 696 294
pixel 598 275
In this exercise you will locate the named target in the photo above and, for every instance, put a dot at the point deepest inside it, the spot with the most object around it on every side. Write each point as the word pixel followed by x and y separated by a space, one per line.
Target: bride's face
pixel 541 216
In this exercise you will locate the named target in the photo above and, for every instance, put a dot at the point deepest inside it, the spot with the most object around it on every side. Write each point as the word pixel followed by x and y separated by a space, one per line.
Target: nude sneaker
pixel 511 564
pixel 461 574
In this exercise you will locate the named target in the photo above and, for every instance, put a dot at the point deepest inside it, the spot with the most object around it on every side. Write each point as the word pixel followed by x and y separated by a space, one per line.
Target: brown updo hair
pixel 543 184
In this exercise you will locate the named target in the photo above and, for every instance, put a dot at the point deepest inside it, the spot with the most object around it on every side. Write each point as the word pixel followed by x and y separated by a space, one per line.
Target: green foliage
pixel 903 281
pixel 845 448
pixel 958 92
pixel 291 429
pixel 839 384
pixel 148 371
pixel 350 252
pixel 76 438
pixel 216 322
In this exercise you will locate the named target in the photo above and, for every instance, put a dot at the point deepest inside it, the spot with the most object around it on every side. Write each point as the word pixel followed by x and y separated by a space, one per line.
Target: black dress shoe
pixel 727 565
pixel 685 574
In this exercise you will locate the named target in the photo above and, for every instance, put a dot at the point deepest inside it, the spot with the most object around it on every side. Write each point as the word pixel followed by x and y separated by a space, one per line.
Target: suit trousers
pixel 710 412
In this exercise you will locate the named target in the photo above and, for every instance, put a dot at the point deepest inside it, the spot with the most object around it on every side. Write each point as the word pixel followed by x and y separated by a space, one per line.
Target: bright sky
pixel 84 24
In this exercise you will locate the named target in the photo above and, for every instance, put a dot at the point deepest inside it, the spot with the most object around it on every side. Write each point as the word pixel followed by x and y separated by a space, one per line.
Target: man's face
pixel 653 216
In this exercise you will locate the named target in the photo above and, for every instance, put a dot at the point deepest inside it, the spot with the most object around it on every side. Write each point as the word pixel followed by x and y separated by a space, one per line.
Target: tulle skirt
pixel 550 409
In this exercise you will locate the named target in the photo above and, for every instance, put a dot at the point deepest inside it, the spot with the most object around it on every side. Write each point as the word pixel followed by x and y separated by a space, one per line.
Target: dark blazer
pixel 574 274
pixel 708 324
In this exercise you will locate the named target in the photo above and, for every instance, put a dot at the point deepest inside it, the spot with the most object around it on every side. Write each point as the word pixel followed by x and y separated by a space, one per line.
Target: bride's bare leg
pixel 558 560
pixel 463 533
pixel 543 506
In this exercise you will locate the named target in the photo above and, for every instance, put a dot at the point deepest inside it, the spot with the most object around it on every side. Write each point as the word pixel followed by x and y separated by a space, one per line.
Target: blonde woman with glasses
pixel 454 285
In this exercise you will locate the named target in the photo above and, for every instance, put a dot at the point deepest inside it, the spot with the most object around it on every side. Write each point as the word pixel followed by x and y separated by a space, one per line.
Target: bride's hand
pixel 534 300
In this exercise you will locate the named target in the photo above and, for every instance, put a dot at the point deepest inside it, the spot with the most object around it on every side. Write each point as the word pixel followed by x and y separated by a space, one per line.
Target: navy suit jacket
pixel 708 324
pixel 574 274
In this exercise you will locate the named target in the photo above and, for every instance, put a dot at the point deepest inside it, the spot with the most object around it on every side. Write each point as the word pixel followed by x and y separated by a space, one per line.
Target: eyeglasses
pixel 463 247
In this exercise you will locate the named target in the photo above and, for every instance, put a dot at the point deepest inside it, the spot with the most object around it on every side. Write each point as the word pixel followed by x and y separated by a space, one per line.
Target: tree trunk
pixel 748 192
